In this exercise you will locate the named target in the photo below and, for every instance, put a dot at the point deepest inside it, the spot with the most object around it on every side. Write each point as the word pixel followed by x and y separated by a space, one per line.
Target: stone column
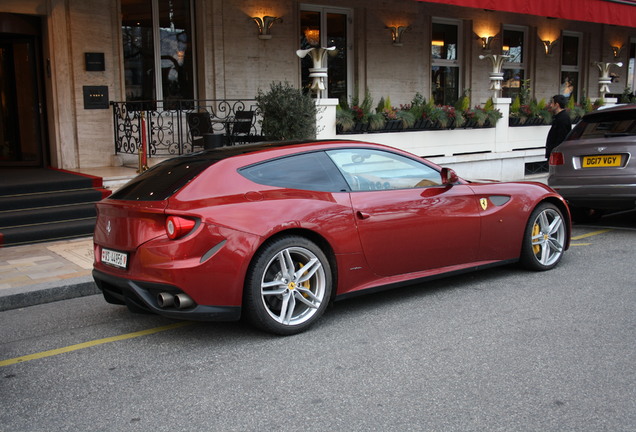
pixel 496 75
pixel 501 129
pixel 604 80
pixel 326 118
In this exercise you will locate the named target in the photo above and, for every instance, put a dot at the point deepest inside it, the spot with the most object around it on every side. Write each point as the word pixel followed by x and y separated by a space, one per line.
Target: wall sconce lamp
pixel 548 45
pixel 616 50
pixel 265 24
pixel 396 34
pixel 485 42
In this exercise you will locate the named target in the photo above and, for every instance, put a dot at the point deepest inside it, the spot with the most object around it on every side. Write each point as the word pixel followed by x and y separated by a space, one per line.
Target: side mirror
pixel 449 176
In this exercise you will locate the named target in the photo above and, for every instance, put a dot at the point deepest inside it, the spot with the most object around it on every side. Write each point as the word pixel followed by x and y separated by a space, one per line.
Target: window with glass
pixel 327 27
pixel 158 49
pixel 570 60
pixel 445 65
pixel 365 170
pixel 513 43
pixel 308 171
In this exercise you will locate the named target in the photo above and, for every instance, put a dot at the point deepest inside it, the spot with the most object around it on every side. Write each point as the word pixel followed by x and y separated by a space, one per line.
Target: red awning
pixel 617 12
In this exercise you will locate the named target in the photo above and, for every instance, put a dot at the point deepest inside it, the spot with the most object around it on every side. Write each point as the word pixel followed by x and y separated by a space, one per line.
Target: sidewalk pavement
pixel 46 272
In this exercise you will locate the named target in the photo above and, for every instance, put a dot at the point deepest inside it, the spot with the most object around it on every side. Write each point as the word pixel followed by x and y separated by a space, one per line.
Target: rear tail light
pixel 177 227
pixel 556 158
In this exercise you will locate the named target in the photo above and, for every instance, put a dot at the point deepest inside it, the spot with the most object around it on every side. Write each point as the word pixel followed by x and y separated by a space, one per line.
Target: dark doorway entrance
pixel 22 137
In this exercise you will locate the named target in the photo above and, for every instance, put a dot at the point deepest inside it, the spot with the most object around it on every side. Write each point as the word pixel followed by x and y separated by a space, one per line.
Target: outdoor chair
pixel 199 125
pixel 241 127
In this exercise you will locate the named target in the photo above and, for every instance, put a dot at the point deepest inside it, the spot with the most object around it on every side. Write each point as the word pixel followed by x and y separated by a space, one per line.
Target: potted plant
pixel 544 113
pixel 462 106
pixel 531 113
pixel 492 115
pixel 406 117
pixel 475 117
pixel 390 113
pixel 345 118
pixel 435 115
pixel 453 120
pixel 416 108
pixel 515 118
pixel 356 117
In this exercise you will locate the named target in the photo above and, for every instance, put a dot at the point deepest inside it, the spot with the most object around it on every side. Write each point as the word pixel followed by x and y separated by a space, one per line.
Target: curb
pixel 20 297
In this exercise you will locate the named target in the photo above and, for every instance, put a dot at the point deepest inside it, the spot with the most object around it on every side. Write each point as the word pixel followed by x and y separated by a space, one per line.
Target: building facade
pixel 64 61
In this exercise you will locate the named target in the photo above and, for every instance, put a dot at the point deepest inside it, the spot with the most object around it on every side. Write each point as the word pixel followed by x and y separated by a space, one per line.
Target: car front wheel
pixel 544 238
pixel 288 286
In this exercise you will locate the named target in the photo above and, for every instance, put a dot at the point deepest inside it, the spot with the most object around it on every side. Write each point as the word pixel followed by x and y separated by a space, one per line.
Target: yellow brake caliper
pixel 306 284
pixel 536 229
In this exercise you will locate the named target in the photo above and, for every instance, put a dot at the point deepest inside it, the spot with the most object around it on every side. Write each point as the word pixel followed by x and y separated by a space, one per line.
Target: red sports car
pixel 275 231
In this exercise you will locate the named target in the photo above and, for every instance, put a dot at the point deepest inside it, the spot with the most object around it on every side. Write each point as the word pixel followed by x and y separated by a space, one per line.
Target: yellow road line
pixel 582 236
pixel 89 344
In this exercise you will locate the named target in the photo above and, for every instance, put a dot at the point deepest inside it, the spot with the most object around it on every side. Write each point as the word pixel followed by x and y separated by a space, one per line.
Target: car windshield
pixel 605 125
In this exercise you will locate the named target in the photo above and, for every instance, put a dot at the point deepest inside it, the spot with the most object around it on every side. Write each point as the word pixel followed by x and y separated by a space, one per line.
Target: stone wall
pixel 233 63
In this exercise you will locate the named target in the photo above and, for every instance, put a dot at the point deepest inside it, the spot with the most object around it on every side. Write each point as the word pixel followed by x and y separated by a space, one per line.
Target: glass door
pixel 21 134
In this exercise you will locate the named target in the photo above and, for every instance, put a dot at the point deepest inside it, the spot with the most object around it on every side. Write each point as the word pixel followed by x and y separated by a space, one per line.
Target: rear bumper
pixel 144 295
pixel 610 196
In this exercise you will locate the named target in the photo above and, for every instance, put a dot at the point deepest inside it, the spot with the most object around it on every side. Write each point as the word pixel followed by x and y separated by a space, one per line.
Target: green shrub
pixel 288 114
pixel 516 105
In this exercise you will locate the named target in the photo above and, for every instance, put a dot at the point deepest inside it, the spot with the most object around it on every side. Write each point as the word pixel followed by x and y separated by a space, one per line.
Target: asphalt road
pixel 500 350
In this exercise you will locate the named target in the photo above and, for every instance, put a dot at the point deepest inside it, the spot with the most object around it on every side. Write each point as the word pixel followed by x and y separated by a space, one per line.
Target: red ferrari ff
pixel 275 231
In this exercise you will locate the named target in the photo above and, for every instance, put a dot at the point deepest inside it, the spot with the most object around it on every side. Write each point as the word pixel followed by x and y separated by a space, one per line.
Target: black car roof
pixel 618 112
pixel 165 178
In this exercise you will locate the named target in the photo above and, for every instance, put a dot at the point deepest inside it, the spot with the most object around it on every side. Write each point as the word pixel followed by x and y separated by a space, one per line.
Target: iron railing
pixel 167 132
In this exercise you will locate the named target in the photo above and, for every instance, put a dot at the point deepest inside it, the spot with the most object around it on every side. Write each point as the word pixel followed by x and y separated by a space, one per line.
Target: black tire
pixel 544 238
pixel 282 300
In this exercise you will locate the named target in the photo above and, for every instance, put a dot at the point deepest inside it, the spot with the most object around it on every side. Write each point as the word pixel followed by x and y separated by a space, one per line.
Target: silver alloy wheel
pixel 293 285
pixel 548 236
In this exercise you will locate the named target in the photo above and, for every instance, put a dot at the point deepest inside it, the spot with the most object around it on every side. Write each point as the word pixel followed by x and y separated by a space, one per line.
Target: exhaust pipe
pixel 183 301
pixel 165 299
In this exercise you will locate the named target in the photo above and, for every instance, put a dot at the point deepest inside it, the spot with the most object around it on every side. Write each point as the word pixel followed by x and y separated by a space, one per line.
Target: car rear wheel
pixel 544 238
pixel 288 286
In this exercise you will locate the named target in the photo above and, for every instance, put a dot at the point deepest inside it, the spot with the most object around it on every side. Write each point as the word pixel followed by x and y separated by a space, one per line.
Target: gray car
pixel 594 168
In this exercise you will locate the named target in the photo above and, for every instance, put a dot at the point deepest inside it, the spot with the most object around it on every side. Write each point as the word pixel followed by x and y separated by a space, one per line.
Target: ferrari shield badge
pixel 484 203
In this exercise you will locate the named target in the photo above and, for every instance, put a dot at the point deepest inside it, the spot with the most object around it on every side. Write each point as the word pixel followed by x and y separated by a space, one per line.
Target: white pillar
pixel 501 129
pixel 326 118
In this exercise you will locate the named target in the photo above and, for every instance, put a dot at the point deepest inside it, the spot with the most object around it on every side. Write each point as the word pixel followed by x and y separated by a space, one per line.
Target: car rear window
pixel 605 125
pixel 162 181
pixel 307 171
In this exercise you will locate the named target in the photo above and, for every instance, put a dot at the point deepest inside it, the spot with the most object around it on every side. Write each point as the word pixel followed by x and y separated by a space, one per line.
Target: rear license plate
pixel 114 258
pixel 601 161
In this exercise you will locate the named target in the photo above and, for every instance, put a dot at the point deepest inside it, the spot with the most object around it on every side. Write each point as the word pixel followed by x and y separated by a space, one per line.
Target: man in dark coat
pixel 561 124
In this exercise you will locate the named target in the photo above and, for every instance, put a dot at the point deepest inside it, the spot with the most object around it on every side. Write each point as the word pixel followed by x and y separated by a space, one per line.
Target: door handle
pixel 362 215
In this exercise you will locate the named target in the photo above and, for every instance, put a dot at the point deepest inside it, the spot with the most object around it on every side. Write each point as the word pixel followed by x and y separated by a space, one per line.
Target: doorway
pixel 22 134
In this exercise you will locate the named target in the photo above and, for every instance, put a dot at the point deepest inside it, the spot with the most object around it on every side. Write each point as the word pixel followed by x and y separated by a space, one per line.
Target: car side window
pixel 366 169
pixel 307 171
